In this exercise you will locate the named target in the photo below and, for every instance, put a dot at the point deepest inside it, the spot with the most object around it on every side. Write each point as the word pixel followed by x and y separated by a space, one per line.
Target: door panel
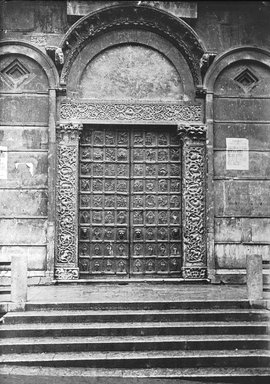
pixel 130 203
pixel 104 202
pixel 155 207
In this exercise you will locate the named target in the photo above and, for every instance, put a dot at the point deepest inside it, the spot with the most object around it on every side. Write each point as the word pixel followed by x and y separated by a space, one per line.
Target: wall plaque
pixel 237 157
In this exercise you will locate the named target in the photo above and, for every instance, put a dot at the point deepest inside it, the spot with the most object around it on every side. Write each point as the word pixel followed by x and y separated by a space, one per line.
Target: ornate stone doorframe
pixel 187 118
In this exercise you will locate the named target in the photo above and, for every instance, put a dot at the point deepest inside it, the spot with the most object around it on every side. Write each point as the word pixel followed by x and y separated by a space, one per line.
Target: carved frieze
pixel 145 112
pixel 66 200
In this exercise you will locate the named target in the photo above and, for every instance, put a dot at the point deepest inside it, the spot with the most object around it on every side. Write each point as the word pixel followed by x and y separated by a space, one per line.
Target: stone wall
pixel 242 199
pixel 241 217
pixel 24 142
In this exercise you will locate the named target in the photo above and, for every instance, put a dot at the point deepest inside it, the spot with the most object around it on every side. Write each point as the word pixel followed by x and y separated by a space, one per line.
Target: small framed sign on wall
pixel 237 154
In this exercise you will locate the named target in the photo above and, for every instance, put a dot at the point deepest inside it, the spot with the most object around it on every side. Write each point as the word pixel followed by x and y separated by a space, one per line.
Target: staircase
pixel 200 340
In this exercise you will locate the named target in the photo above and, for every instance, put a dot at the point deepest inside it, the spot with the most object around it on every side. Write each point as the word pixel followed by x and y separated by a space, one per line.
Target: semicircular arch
pixel 112 18
pixel 134 56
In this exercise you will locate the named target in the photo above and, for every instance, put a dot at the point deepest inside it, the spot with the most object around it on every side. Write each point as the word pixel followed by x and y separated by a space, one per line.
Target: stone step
pixel 266 277
pixel 133 343
pixel 138 305
pixel 143 359
pixel 48 375
pixel 133 329
pixel 4 290
pixel 137 316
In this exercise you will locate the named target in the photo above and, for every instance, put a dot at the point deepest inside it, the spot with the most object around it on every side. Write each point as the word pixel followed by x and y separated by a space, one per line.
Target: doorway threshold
pixel 133 280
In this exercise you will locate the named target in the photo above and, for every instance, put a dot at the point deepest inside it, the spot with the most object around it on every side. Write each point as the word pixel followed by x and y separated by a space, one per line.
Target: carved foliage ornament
pixel 66 197
pixel 130 112
pixel 194 193
pixel 138 17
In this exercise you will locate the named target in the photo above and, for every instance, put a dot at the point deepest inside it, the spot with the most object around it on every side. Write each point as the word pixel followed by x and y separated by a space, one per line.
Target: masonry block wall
pixel 240 101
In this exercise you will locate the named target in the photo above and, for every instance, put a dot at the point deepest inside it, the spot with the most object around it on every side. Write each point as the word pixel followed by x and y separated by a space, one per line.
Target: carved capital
pixel 68 133
pixel 201 92
pixel 192 131
pixel 61 91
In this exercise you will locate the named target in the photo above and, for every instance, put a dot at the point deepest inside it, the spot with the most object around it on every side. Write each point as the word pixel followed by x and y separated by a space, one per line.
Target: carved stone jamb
pixel 66 266
pixel 193 196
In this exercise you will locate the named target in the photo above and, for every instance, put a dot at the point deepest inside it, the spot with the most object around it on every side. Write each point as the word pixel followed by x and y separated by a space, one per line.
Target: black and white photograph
pixel 134 192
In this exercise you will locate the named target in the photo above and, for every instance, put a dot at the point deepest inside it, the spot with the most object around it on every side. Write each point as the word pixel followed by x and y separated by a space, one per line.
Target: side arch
pixel 29 81
pixel 237 113
pixel 244 53
pixel 23 48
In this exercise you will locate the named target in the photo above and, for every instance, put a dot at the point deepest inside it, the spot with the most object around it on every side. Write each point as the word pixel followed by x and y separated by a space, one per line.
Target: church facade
pixel 134 139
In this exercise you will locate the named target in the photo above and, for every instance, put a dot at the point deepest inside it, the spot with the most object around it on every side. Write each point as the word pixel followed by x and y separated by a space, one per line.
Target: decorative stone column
pixel 66 266
pixel 193 201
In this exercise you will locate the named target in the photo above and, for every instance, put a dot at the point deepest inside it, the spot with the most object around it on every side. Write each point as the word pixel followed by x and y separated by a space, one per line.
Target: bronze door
pixel 130 202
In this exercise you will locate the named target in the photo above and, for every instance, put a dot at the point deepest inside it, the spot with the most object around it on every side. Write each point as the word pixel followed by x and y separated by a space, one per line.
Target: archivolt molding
pixel 127 16
pixel 66 201
pixel 193 195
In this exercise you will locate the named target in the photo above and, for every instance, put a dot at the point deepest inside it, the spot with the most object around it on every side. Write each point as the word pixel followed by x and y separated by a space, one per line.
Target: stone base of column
pixel 194 273
pixel 66 273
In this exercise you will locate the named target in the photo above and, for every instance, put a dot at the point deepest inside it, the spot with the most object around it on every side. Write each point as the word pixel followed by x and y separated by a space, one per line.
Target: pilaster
pixel 66 267
pixel 193 201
